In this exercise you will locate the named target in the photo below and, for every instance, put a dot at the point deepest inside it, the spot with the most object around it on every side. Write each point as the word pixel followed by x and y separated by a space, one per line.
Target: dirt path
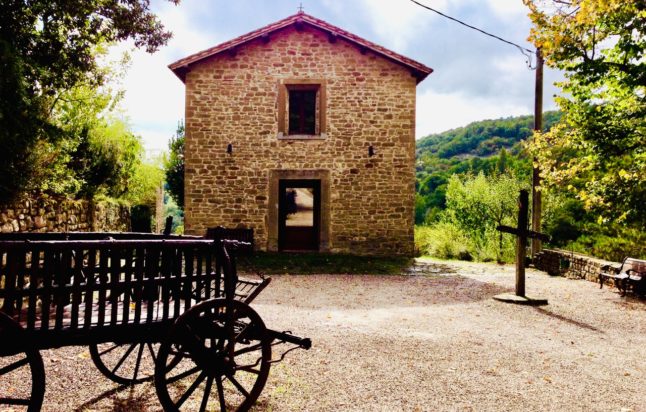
pixel 433 341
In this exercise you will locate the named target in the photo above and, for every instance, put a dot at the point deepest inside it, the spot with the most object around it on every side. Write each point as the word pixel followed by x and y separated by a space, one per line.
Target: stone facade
pixel 63 215
pixel 570 264
pixel 367 202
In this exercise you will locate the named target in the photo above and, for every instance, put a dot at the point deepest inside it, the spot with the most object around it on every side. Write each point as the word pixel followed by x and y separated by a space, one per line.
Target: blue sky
pixel 475 78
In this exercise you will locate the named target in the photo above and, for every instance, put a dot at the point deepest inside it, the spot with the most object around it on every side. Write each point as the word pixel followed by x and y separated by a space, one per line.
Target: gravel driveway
pixel 426 342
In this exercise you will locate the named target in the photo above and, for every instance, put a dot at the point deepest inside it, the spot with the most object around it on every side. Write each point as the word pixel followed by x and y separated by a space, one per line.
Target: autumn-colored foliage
pixel 598 151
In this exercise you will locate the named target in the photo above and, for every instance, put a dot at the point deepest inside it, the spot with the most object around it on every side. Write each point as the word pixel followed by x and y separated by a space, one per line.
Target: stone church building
pixel 305 133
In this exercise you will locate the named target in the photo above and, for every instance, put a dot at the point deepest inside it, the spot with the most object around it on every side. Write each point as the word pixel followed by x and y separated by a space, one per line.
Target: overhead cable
pixel 525 51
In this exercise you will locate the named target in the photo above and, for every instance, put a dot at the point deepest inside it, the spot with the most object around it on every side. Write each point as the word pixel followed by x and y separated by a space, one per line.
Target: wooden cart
pixel 148 306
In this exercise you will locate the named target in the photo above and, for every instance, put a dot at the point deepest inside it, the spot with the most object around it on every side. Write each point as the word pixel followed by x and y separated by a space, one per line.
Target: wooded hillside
pixel 487 146
pixel 482 166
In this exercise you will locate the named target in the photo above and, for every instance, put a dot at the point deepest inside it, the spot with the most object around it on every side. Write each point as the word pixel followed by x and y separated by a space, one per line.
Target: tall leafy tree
pixel 48 47
pixel 175 167
pixel 148 177
pixel 81 115
pixel 598 151
pixel 107 159
pixel 477 204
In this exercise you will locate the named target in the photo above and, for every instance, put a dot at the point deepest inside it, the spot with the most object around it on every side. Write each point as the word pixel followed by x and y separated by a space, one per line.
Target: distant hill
pixel 488 146
pixel 483 138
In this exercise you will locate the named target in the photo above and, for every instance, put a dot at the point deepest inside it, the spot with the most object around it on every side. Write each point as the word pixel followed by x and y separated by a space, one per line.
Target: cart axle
pixel 304 343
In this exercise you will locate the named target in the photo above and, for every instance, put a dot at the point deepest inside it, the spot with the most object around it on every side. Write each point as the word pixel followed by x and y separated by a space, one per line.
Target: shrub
pixel 613 246
pixel 442 240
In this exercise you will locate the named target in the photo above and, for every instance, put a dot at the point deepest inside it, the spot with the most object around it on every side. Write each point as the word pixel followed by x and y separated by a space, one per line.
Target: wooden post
pixel 537 204
pixel 521 242
pixel 522 235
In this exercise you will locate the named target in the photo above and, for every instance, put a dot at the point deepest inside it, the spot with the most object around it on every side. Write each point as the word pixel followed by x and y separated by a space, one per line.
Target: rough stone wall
pixel 573 265
pixel 63 215
pixel 370 101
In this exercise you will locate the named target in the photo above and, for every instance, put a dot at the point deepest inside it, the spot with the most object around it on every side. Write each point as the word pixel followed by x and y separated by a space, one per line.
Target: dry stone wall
pixel 570 264
pixel 63 215
pixel 232 98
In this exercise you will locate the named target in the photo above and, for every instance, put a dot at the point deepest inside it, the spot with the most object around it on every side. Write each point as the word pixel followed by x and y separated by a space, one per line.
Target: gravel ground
pixel 431 341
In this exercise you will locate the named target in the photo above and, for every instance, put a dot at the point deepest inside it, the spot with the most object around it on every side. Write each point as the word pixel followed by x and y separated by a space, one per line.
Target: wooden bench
pixel 630 275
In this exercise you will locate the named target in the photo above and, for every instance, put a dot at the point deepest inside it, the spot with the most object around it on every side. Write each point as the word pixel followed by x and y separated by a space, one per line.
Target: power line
pixel 525 51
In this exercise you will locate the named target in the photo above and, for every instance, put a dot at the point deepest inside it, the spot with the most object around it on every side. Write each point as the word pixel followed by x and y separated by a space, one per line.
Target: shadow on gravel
pixel 131 403
pixel 631 302
pixel 375 292
pixel 567 320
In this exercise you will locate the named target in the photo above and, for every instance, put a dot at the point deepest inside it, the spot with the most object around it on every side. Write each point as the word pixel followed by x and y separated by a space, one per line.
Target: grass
pixel 317 263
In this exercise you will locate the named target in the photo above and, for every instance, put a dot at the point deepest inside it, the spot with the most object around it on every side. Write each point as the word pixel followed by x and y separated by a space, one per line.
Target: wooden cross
pixel 300 8
pixel 522 234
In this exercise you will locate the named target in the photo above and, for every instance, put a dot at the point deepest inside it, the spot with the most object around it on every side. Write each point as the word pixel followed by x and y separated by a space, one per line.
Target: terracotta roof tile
pixel 180 66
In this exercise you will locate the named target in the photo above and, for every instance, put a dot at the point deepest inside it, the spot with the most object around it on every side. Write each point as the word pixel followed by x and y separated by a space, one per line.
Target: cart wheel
pixel 19 365
pixel 126 363
pixel 207 378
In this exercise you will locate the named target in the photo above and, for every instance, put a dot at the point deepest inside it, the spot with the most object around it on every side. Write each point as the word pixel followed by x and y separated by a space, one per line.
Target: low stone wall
pixel 48 214
pixel 570 264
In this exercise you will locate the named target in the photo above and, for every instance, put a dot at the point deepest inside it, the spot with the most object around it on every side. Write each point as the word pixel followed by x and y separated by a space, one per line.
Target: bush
pixel 466 229
pixel 495 247
pixel 612 246
pixel 442 240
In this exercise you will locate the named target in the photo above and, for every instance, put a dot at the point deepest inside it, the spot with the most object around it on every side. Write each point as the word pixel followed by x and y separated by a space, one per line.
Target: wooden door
pixel 299 214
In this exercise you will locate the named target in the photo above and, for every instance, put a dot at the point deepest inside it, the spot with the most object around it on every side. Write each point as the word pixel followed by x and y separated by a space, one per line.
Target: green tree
pixel 598 151
pixel 503 161
pixel 107 159
pixel 82 114
pixel 174 167
pixel 146 180
pixel 478 204
pixel 21 124
pixel 96 153
pixel 47 47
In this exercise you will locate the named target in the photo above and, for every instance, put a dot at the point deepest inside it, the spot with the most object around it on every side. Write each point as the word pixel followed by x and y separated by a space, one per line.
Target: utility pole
pixel 537 206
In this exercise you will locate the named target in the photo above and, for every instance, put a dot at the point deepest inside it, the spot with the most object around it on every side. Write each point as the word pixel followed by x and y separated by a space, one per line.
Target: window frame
pixel 320 124
pixel 302 96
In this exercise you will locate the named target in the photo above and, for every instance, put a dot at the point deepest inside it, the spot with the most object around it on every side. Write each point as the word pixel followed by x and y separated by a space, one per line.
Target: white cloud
pixel 187 38
pixel 508 10
pixel 438 112
pixel 333 5
pixel 156 142
pixel 475 78
pixel 397 22
pixel 154 96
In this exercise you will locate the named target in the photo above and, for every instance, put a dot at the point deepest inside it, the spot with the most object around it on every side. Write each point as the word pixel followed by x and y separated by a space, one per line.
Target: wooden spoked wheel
pixel 127 364
pixel 22 375
pixel 224 357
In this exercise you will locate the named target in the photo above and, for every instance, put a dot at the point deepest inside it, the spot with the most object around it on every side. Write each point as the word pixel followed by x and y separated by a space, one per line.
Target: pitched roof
pixel 181 67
